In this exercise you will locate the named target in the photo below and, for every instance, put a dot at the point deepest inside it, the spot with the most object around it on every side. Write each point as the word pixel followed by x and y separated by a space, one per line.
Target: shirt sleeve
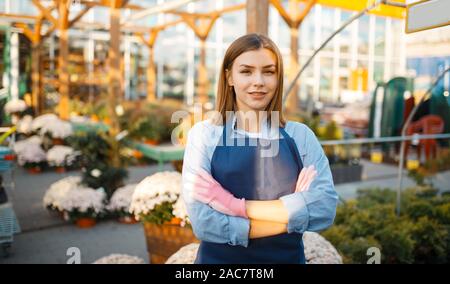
pixel 315 209
pixel 207 223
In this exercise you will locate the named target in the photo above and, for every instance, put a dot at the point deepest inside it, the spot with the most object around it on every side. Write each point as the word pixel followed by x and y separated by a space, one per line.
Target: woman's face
pixel 254 78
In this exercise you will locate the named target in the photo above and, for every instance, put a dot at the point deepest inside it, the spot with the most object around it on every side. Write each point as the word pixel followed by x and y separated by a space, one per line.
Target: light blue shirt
pixel 312 210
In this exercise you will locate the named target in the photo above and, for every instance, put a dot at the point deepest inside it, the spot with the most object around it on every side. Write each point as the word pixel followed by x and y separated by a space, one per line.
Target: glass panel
pixel 345 35
pixel 380 33
pixel 363 35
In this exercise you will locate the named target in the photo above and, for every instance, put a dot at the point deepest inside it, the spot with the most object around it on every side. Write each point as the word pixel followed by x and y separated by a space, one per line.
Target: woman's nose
pixel 258 79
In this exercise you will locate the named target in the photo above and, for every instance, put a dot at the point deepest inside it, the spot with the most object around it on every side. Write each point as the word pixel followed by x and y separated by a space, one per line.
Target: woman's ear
pixel 229 77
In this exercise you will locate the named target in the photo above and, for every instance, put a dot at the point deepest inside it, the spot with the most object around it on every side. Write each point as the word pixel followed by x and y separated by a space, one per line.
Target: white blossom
pixel 42 120
pixel 32 153
pixel 60 155
pixel 57 128
pixel 83 199
pixel 121 199
pixel 180 211
pixel 68 195
pixel 119 259
pixel 96 173
pixel 59 190
pixel 155 190
pixel 15 105
pixel 24 125
pixel 19 146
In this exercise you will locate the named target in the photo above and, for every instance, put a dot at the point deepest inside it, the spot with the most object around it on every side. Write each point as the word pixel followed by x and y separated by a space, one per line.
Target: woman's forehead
pixel 260 58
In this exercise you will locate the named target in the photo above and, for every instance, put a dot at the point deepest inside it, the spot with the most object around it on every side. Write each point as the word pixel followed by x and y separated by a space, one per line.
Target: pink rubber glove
pixel 207 190
pixel 305 178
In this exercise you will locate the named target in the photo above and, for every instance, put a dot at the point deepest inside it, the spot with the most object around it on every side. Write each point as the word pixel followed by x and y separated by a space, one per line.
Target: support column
pixel 14 86
pixel 63 55
pixel 114 87
pixel 257 16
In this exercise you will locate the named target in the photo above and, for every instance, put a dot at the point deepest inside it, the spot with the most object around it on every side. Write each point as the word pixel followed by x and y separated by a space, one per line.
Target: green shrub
pixel 419 235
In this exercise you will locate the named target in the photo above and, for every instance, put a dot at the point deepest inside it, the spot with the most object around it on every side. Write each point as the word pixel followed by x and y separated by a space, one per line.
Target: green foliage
pixel 160 214
pixel 149 121
pixel 96 152
pixel 419 235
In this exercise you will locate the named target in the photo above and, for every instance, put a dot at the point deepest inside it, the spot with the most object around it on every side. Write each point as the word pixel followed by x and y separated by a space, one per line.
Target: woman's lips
pixel 257 95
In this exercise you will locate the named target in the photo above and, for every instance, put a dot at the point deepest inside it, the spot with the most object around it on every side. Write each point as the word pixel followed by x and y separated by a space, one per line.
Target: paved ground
pixel 46 238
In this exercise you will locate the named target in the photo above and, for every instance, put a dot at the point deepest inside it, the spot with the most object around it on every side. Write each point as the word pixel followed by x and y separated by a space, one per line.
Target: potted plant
pixel 97 171
pixel 119 204
pixel 157 203
pixel 84 206
pixel 15 107
pixel 55 129
pixel 61 157
pixel 119 259
pixel 30 155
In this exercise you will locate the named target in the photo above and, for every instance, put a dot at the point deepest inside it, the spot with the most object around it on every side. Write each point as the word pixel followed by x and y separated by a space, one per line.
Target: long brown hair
pixel 226 97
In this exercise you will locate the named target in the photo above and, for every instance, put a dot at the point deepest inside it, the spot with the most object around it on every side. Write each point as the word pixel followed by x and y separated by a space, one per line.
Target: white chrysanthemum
pixel 57 128
pixel 155 190
pixel 119 259
pixel 32 153
pixel 83 199
pixel 180 211
pixel 60 155
pixel 15 105
pixel 121 199
pixel 59 190
pixel 20 145
pixel 24 125
pixel 42 120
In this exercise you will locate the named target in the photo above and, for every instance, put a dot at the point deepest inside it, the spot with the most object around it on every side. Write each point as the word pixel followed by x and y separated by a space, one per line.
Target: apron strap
pixel 293 147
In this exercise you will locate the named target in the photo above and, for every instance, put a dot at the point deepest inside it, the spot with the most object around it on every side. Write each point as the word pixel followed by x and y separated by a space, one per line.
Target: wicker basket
pixel 165 240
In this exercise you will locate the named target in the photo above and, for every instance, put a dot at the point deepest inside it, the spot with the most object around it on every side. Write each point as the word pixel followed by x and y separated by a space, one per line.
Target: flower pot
pixel 127 220
pixel 60 170
pixel 152 142
pixel 164 240
pixel 85 222
pixel 137 154
pixel 58 141
pixel 34 170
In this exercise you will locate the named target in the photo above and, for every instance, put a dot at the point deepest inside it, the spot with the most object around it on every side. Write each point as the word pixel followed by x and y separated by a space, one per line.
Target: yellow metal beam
pixel 358 5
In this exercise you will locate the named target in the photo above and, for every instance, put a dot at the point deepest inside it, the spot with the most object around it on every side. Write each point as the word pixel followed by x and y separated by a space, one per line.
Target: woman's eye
pixel 270 72
pixel 245 71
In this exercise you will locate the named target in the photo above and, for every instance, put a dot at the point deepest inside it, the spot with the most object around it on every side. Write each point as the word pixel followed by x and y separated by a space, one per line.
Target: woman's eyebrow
pixel 249 66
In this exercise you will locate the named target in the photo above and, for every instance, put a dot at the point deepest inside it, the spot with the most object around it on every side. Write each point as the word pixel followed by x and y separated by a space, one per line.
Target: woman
pixel 249 203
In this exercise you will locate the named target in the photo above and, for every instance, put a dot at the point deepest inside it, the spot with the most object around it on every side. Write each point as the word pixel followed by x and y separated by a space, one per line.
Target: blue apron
pixel 244 172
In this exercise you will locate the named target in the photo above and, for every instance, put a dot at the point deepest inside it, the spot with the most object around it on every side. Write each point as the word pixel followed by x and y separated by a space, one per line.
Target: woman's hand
pixel 207 190
pixel 305 179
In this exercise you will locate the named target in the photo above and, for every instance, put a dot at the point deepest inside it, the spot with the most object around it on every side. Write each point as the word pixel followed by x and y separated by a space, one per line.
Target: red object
pixel 34 170
pixel 428 124
pixel 85 222
pixel 9 157
pixel 60 170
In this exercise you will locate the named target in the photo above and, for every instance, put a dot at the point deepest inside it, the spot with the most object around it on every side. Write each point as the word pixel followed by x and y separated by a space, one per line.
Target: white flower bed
pixel 84 198
pixel 19 146
pixel 121 199
pixel 69 195
pixel 155 190
pixel 31 153
pixel 59 190
pixel 50 123
pixel 24 125
pixel 60 155
pixel 15 105
pixel 42 120
pixel 180 211
pixel 119 259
